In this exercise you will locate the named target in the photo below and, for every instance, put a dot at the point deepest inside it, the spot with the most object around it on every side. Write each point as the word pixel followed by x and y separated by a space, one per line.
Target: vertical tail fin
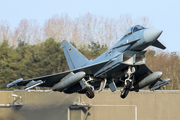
pixel 74 58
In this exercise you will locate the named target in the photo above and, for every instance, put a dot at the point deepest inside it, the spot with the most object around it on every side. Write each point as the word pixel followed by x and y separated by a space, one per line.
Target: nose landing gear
pixel 128 84
pixel 124 92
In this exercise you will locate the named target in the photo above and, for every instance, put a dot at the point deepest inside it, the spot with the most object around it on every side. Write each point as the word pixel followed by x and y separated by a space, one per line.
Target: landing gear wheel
pixel 89 93
pixel 136 90
pixel 124 93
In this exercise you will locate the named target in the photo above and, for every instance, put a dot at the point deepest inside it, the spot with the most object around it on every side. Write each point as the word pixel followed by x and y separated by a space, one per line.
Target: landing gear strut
pixel 128 82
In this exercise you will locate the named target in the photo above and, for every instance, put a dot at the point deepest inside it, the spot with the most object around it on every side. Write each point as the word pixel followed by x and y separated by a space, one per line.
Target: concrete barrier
pixel 159 105
pixel 144 105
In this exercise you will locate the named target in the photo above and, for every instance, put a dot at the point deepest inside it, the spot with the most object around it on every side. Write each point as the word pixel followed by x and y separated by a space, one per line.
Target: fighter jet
pixel 123 65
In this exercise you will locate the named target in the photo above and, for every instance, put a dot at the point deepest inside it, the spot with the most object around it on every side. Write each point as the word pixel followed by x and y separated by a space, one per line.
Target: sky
pixel 163 14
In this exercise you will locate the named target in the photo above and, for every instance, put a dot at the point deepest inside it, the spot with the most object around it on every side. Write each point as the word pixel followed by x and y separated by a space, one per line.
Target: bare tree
pixel 4 30
pixel 81 30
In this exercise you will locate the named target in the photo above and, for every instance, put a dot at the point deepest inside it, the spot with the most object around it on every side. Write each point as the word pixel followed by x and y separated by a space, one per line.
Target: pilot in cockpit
pixel 133 29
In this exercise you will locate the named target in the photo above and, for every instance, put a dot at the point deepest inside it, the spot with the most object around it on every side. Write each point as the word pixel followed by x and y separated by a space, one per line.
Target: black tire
pixel 124 93
pixel 89 93
pixel 137 90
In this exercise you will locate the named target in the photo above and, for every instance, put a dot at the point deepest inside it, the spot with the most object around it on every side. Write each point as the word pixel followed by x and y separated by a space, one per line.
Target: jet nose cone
pixel 150 35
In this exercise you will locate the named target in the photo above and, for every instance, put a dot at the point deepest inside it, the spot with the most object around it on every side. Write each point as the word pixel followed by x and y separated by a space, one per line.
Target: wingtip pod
pixel 14 82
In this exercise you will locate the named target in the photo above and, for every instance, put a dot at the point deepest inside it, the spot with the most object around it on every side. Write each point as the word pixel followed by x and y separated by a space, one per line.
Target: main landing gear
pixel 88 88
pixel 89 93
pixel 128 82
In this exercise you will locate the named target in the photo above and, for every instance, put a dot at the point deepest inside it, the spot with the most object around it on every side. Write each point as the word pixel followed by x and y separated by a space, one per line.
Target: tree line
pixel 166 62
pixel 30 61
pixel 31 50
pixel 81 30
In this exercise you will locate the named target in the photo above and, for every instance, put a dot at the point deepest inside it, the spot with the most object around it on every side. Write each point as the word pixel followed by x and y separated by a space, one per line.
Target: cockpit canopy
pixel 133 29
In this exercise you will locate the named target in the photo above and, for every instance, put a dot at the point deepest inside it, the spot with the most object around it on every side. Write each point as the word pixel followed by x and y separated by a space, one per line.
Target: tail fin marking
pixel 74 58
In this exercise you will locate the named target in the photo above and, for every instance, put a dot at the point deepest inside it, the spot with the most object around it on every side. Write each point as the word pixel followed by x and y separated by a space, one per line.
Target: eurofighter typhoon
pixel 123 65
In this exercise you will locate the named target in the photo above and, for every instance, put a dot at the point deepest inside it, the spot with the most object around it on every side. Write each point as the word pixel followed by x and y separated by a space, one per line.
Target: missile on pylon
pixel 159 84
pixel 32 84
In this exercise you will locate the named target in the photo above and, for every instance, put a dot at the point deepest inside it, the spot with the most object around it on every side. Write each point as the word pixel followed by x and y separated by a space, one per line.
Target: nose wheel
pixel 124 92
pixel 126 88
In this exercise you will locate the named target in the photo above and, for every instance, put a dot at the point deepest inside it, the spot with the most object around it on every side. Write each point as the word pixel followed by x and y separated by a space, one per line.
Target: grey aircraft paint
pixel 123 65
